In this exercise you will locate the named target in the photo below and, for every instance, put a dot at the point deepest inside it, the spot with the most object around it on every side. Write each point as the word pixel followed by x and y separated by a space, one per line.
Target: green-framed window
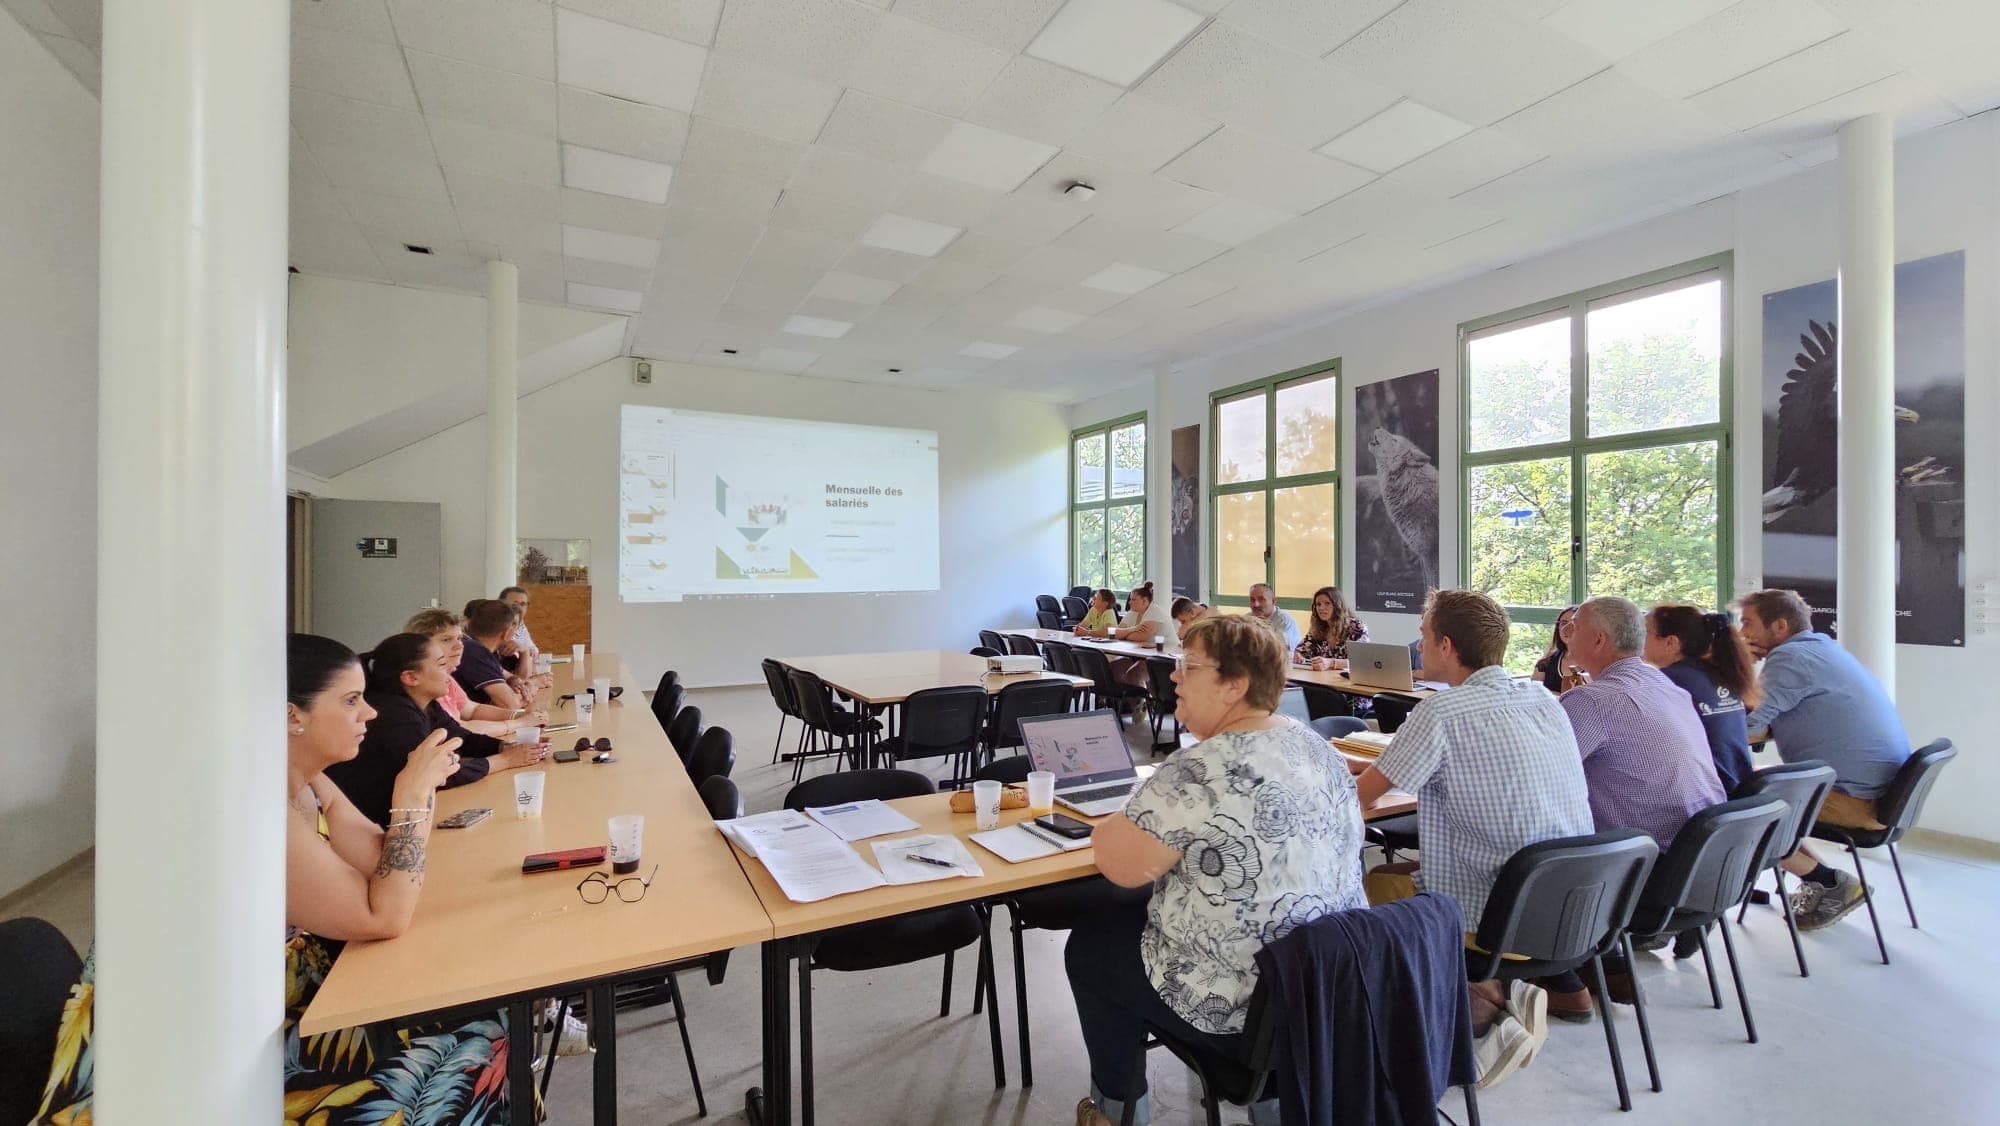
pixel 1594 448
pixel 1107 504
pixel 1274 510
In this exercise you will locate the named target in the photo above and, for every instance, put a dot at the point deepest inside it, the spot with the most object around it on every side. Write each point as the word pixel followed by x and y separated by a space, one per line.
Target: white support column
pixel 1867 356
pixel 1160 490
pixel 190 566
pixel 503 388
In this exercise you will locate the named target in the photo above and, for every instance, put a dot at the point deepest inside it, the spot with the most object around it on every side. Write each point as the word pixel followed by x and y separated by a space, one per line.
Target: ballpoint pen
pixel 931 860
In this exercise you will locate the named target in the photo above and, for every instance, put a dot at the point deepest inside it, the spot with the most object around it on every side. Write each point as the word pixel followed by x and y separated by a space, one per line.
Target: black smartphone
pixel 465 819
pixel 1065 826
pixel 566 756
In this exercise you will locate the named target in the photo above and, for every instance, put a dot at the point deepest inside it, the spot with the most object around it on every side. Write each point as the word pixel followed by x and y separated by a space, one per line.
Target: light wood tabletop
pixel 1339 682
pixel 880 679
pixel 484 930
pixel 1112 648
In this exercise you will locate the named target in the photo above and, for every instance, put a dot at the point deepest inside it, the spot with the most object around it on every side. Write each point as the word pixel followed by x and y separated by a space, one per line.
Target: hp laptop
pixel 1086 752
pixel 1379 666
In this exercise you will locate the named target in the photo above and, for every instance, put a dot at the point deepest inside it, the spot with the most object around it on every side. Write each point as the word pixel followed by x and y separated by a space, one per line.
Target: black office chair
pixel 1164 698
pixel 1021 646
pixel 1703 875
pixel 1016 702
pixel 1048 604
pixel 844 731
pixel 41 968
pixel 1898 810
pixel 984 651
pixel 991 639
pixel 1074 610
pixel 685 731
pixel 714 756
pixel 896 941
pixel 1561 905
pixel 780 687
pixel 1109 690
pixel 1334 726
pixel 939 723
pixel 1049 619
pixel 1803 787
pixel 1322 702
pixel 666 704
pixel 1080 592
pixel 667 680
pixel 1122 599
pixel 723 799
pixel 1391 709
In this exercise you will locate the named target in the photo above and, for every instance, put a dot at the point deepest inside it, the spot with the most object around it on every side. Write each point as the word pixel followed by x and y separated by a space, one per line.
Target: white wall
pixel 1002 478
pixel 1782 234
pixel 48 457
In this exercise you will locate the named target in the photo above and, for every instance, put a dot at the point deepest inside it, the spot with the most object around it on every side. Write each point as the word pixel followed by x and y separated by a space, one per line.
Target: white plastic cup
pixel 576 660
pixel 544 662
pixel 601 688
pixel 528 792
pixel 527 735
pixel 1041 793
pixel 986 803
pixel 628 835
pixel 584 702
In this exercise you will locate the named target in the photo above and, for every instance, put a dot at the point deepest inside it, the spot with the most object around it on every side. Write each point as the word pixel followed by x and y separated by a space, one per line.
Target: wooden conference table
pixel 883 680
pixel 487 937
pixel 1337 681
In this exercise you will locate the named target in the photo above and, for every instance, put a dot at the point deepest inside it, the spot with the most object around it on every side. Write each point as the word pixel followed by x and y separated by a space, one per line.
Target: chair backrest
pixel 1059 658
pixel 1024 700
pixel 714 756
pixel 670 677
pixel 1803 787
pixel 809 693
pixel 1322 702
pixel 1900 807
pixel 1013 768
pixel 1122 599
pixel 1049 619
pixel 1292 702
pixel 1092 663
pixel 1080 593
pixel 984 651
pixel 1075 608
pixel 685 730
pixel 781 688
pixel 942 721
pixel 41 968
pixel 723 799
pixel 992 640
pixel 1334 726
pixel 858 785
pixel 666 705
pixel 1022 646
pixel 1160 678
pixel 1566 899
pixel 1048 602
pixel 1708 868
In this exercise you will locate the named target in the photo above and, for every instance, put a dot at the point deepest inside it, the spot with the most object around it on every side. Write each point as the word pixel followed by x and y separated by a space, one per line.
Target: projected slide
pixel 733 504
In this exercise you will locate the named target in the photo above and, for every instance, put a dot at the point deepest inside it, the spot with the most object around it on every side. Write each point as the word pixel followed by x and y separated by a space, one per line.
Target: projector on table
pixel 1014 664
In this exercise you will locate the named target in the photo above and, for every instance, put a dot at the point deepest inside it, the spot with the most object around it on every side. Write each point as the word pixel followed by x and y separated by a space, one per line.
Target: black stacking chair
pixel 1081 592
pixel 1016 702
pixel 1047 620
pixel 984 651
pixel 1334 726
pixel 939 723
pixel 41 968
pixel 1561 905
pixel 1803 787
pixel 991 639
pixel 844 731
pixel 1703 875
pixel 714 756
pixel 685 731
pixel 1898 809
pixel 1074 609
pixel 1109 690
pixel 1165 697
pixel 1061 658
pixel 1048 604
pixel 666 704
pixel 1122 599
pixel 667 680
pixel 1322 702
pixel 723 799
pixel 781 698
pixel 1391 709
pixel 1021 646
pixel 896 941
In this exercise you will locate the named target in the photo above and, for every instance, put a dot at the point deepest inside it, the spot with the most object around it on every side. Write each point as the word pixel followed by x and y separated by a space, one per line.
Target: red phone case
pixel 568 858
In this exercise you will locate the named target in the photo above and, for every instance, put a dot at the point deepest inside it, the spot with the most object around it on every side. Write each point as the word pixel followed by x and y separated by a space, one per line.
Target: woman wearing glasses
pixel 346 879
pixel 1243 836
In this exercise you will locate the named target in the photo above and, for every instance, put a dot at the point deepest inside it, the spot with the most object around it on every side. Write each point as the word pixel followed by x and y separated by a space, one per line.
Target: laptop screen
pixel 1084 747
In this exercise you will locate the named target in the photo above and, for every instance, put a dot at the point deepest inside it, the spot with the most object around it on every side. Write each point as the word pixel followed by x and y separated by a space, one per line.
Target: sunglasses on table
pixel 598 887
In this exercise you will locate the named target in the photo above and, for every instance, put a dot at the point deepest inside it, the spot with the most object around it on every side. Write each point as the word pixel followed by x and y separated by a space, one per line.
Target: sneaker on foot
pixel 1087 1114
pixel 573 1040
pixel 1529 1004
pixel 1804 899
pixel 1504 1050
pixel 1830 905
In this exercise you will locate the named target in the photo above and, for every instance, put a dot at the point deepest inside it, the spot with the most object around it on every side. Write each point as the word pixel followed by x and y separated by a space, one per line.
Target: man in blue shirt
pixel 1264 608
pixel 1819 703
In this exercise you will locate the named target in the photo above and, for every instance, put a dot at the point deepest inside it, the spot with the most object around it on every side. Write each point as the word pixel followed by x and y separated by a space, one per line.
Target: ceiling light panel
pixel 603 297
pixel 911 236
pixel 1123 277
pixel 1116 40
pixel 986 158
pixel 610 173
pixel 627 63
pixel 605 246
pixel 1396 136
pixel 817 326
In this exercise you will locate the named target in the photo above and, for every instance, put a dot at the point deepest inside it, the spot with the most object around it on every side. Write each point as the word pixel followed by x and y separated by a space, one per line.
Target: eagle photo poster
pixel 1396 523
pixel 1801 466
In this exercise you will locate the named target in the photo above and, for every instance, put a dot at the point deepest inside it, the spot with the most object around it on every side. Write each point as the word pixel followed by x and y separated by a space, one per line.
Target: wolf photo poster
pixel 1396 520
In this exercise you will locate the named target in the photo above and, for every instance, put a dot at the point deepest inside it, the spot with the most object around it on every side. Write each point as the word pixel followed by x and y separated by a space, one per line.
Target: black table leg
pixel 771 1105
pixel 521 1058
pixel 604 1035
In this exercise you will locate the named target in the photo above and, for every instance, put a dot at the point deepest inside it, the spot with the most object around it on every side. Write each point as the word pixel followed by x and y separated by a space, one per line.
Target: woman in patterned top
pixel 1243 836
pixel 1333 625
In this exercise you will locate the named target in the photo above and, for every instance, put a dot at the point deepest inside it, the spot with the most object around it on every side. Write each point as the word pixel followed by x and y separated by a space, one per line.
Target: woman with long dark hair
pixel 1703 653
pixel 1554 670
pixel 1332 626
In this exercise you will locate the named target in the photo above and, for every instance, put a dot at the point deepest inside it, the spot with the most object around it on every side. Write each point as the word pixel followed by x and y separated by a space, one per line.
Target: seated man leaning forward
pixel 1495 768
pixel 1243 836
pixel 1819 703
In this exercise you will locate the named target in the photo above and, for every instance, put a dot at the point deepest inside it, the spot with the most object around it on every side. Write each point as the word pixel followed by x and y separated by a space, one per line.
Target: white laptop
pixel 1379 666
pixel 1086 752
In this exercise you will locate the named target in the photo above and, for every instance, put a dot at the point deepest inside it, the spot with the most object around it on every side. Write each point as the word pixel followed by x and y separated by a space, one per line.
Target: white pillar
pixel 190 580
pixel 503 386
pixel 1867 357
pixel 1160 493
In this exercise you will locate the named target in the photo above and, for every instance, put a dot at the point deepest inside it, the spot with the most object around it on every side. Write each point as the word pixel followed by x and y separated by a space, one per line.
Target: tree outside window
pixel 1108 504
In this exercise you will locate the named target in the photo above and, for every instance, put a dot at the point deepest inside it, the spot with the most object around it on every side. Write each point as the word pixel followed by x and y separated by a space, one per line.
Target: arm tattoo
pixel 402 851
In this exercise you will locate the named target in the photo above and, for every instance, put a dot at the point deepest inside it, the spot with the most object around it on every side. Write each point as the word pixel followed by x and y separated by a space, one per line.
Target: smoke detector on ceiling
pixel 1078 190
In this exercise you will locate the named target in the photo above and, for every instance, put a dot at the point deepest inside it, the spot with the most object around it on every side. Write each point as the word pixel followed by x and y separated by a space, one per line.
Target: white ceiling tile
pixel 351 67
pixel 1395 137
pixel 919 65
pixel 367 19
pixel 328 122
pixel 1822 71
pixel 1109 326
pixel 1131 197
pixel 638 66
pixel 337 255
pixel 495 152
pixel 610 275
pixel 818 326
pixel 819 39
pixel 38 17
pixel 987 350
pixel 482 95
pixel 79 58
pixel 747 295
pixel 454 271
pixel 1137 132
pixel 1466 59
pixel 1031 220
pixel 951 202
pixel 371 169
pixel 1232 221
pixel 1041 101
pixel 725 150
pixel 1313 27
pixel 763 100
pixel 1607 118
pixel 784 359
pixel 690 20
pixel 1255 84
pixel 1616 28
pixel 714 195
pixel 1115 40
pixel 890 231
pixel 612 213
pixel 515 235
pixel 1057 266
pixel 954 279
pixel 986 158
pixel 1233 162
pixel 1038 319
pixel 601 297
pixel 877 127
pixel 832 215
pixel 85 19
pixel 778 273
pixel 393 250
pixel 848 176
pixel 1123 277
pixel 617 125
pixel 1158 250
pixel 1734 41
pixel 840 312
pixel 1477 158
pixel 411 220
pixel 1910 104
pixel 512 35
pixel 610 173
pixel 607 246
pixel 1008 26
pixel 888 265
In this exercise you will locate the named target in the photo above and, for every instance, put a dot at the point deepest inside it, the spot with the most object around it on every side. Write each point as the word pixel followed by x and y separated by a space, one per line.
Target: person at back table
pixel 1102 617
pixel 1819 703
pixel 1146 620
pixel 488 621
pixel 1495 768
pixel 1333 625
pixel 1555 670
pixel 1187 612
pixel 519 640
pixel 1707 657
pixel 1264 609
pixel 1243 836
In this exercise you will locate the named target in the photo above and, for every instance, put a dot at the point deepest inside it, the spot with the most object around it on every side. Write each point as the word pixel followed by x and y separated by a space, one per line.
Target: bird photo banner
pixel 1396 521
pixel 1187 502
pixel 1801 448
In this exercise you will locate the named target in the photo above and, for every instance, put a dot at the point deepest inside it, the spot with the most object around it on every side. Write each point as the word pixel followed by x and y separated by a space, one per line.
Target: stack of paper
pixel 807 860
pixel 899 863
pixel 1022 841
pixel 1365 744
pixel 758 829
pixel 857 821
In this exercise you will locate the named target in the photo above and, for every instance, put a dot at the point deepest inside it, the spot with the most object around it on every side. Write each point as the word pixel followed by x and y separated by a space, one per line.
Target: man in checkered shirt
pixel 1494 765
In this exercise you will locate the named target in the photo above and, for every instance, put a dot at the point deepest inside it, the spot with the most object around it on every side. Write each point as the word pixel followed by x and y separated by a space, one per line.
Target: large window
pixel 1107 504
pixel 1275 449
pixel 1596 449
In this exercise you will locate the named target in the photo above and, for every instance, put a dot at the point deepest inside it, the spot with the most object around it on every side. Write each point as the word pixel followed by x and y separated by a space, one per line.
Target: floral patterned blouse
pixel 1269 830
pixel 1309 649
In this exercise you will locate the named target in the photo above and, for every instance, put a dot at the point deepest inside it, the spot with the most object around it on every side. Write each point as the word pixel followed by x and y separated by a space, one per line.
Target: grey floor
pixel 1915 1042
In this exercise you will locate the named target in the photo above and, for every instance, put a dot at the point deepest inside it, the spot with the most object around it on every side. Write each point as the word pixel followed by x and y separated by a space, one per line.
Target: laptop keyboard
pixel 1098 793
